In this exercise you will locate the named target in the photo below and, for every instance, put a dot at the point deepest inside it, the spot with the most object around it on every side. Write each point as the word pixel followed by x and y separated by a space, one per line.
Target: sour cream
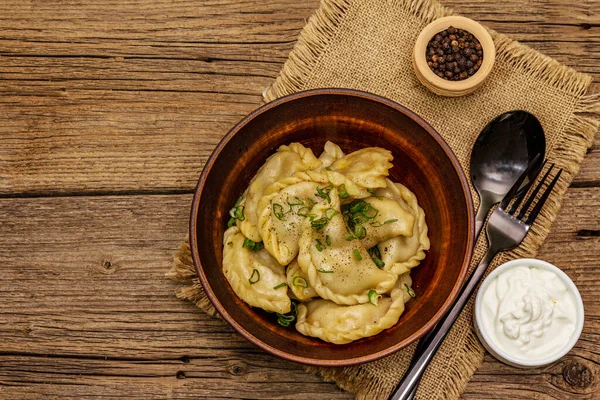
pixel 528 312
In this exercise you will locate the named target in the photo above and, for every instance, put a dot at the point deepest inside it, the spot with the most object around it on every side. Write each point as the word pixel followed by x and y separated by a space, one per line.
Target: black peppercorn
pixel 454 54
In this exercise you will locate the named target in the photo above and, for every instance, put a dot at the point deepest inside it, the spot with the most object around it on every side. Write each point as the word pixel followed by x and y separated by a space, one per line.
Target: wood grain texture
pixel 101 98
pixel 108 112
pixel 86 308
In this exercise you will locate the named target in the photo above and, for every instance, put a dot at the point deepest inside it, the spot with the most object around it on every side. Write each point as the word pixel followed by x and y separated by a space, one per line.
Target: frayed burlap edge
pixel 568 152
pixel 183 271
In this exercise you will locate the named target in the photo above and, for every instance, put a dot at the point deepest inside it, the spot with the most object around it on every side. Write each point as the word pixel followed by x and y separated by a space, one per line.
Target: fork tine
pixel 517 184
pixel 540 203
pixel 519 199
pixel 534 193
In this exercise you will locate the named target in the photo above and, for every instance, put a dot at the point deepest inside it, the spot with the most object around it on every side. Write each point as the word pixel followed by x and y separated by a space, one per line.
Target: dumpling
pixel 361 170
pixel 254 275
pixel 298 282
pixel 402 253
pixel 342 324
pixel 281 215
pixel 390 220
pixel 284 163
pixel 338 266
pixel 331 153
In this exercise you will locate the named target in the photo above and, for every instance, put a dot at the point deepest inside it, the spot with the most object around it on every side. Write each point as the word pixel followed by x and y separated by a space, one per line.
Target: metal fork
pixel 505 230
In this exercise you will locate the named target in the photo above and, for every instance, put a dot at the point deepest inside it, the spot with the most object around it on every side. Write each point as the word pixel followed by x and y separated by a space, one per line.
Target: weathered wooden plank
pixel 85 308
pixel 131 98
pixel 139 103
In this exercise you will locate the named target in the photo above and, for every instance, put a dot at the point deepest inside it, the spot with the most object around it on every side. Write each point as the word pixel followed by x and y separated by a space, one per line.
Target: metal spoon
pixel 501 153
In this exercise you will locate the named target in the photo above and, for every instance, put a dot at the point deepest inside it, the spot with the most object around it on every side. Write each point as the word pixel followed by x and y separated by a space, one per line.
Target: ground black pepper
pixel 454 54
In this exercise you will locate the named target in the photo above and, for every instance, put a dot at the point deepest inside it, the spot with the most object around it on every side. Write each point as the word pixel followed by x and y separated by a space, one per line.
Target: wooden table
pixel 108 112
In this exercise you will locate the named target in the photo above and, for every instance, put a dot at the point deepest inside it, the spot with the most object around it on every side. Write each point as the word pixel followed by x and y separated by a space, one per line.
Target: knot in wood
pixel 577 375
pixel 180 375
pixel 106 266
pixel 237 369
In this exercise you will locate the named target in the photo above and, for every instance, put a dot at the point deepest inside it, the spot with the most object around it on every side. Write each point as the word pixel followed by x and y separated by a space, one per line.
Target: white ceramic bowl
pixel 486 338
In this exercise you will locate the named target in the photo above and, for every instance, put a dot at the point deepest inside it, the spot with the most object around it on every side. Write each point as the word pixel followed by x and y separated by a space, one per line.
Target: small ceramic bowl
pixel 487 338
pixel 442 86
pixel 353 120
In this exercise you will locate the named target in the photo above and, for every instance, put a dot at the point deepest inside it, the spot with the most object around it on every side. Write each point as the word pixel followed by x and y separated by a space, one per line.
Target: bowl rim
pixel 331 362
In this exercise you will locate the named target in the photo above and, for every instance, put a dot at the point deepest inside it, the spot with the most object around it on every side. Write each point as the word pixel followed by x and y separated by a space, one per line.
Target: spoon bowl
pixel 503 150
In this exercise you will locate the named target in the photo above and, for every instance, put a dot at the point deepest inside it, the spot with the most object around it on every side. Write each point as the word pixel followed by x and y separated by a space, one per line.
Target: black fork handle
pixel 482 212
pixel 412 376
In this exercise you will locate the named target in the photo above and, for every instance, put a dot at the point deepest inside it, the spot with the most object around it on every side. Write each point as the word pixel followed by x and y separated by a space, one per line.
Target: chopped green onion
pixel 377 224
pixel 324 192
pixel 357 255
pixel 286 319
pixel 373 212
pixel 299 281
pixel 231 222
pixel 380 264
pixel 374 297
pixel 229 243
pixel 255 277
pixel 239 200
pixel 300 201
pixel 349 238
pixel 360 232
pixel 410 291
pixel 319 245
pixel 363 208
pixel 237 212
pixel 319 224
pixel 253 246
pixel 303 212
pixel 312 216
pixel 324 271
pixel 280 285
pixel 328 240
pixel 278 211
pixel 342 192
pixel 374 252
pixel 358 206
pixel 311 201
pixel 328 168
pixel 373 194
pixel 330 213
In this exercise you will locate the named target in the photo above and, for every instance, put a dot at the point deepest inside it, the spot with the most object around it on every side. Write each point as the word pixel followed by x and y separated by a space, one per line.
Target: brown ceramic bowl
pixel 353 120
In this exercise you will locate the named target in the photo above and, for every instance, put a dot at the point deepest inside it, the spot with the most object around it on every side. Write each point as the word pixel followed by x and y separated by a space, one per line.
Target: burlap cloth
pixel 366 45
